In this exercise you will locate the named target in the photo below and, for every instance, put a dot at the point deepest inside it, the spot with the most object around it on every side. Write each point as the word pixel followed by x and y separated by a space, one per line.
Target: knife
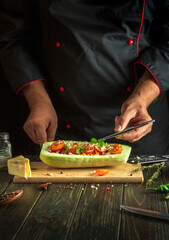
pixel 126 130
pixel 145 212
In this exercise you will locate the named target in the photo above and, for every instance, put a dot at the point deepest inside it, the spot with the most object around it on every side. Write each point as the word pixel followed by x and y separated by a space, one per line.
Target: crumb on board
pixel 48 174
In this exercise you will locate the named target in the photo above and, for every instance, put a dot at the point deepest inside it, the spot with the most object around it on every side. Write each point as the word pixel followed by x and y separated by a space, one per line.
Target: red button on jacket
pixel 58 44
pixel 130 42
pixel 68 126
pixel 62 89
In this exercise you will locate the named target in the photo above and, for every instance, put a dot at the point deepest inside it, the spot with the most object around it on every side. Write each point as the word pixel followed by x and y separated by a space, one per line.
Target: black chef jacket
pixel 91 53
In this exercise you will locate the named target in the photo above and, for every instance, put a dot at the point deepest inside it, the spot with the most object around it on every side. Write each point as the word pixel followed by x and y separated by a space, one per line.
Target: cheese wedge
pixel 19 166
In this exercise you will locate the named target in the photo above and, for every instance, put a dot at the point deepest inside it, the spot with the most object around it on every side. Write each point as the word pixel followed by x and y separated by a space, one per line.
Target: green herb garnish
pixel 80 150
pixel 65 148
pixel 93 140
pixel 101 142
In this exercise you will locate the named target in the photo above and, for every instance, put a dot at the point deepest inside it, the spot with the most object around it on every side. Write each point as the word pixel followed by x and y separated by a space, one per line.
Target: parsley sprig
pixel 93 140
pixel 65 148
pixel 80 149
pixel 100 142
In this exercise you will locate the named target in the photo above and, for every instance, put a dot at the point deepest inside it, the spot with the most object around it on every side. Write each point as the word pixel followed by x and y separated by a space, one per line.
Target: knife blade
pixel 126 130
pixel 145 212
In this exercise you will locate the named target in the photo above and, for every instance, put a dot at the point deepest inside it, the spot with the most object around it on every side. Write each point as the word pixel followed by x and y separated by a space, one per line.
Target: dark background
pixel 13 113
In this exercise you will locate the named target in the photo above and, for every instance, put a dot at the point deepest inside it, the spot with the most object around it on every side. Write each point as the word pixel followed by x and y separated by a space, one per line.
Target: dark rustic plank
pixel 165 178
pixel 82 213
pixel 52 216
pixel 139 227
pixel 5 180
pixel 13 215
pixel 98 216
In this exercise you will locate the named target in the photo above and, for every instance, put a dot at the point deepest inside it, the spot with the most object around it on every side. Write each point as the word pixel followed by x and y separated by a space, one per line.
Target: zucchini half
pixel 83 161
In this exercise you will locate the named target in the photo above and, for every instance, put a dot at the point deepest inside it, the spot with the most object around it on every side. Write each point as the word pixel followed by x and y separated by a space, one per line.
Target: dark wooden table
pixel 79 211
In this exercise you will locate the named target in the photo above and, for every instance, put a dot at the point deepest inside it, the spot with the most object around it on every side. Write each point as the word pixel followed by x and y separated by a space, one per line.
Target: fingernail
pixel 118 128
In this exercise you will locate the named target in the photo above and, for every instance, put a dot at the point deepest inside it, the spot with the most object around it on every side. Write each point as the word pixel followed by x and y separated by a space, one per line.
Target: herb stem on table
pixel 155 175
pixel 156 165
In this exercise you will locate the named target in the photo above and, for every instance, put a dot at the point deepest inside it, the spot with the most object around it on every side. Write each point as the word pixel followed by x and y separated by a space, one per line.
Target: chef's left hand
pixel 134 109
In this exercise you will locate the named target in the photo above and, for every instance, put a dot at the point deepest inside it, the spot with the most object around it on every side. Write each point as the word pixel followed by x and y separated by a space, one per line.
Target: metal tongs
pixel 127 130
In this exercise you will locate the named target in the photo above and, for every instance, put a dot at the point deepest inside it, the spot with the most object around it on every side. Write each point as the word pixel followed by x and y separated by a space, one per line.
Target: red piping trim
pixel 149 71
pixel 138 37
pixel 28 83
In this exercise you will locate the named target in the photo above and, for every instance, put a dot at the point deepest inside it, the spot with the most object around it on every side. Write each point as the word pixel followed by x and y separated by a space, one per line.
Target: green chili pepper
pixel 161 188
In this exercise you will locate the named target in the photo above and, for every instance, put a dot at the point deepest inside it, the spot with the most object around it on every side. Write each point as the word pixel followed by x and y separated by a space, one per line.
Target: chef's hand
pixel 133 112
pixel 134 109
pixel 42 121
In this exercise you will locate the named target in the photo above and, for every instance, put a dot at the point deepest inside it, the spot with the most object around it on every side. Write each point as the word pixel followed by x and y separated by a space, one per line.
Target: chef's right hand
pixel 134 109
pixel 42 123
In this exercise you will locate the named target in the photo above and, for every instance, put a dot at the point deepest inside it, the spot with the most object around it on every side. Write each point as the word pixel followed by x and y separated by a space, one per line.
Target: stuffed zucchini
pixel 76 154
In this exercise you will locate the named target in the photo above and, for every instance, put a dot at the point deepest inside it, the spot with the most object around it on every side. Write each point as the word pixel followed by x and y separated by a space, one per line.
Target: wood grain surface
pixel 70 211
pixel 44 173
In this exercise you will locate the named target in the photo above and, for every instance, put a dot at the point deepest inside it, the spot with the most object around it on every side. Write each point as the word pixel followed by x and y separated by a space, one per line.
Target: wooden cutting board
pixel 118 174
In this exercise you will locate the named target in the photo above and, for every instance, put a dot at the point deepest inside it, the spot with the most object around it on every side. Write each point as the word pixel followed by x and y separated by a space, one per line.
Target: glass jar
pixel 5 149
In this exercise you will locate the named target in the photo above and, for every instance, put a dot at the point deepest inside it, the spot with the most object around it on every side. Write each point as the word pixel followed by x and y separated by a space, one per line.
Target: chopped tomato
pixel 115 149
pixel 73 149
pixel 102 172
pixel 89 150
pixel 103 153
pixel 57 145
pixel 75 145
pixel 100 150
pixel 83 149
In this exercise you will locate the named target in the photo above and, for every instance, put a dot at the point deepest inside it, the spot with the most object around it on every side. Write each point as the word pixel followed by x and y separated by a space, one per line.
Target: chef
pixel 89 68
